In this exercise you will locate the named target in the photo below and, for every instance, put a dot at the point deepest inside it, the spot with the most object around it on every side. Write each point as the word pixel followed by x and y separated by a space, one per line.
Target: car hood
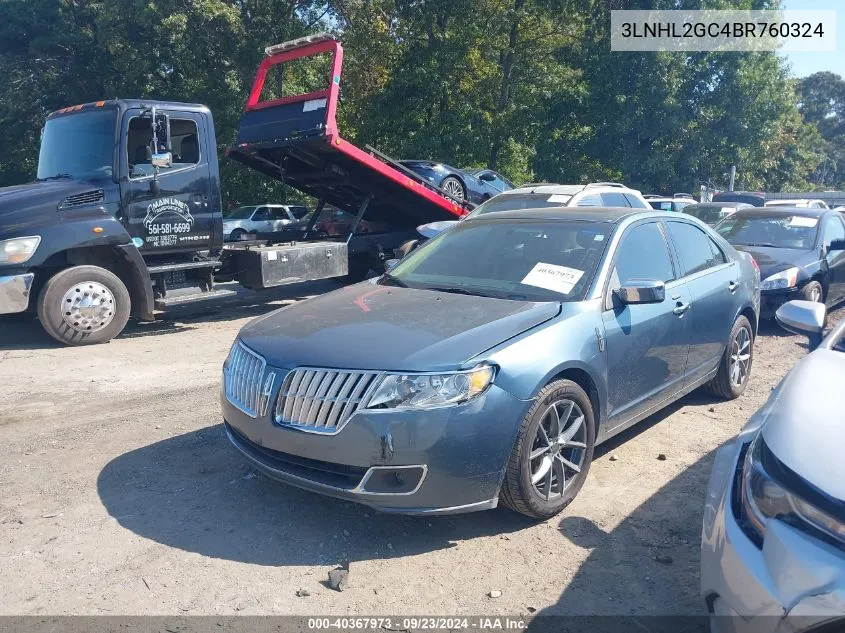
pixel 369 326
pixel 807 433
pixel 774 260
pixel 30 205
pixel 433 229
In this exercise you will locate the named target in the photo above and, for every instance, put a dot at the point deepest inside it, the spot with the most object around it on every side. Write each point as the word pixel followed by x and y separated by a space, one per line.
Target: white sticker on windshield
pixel 551 277
pixel 314 104
pixel 803 221
pixel 556 197
pixel 599 238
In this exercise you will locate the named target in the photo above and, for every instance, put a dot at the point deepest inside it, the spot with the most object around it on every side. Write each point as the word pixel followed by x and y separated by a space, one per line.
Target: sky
pixel 806 63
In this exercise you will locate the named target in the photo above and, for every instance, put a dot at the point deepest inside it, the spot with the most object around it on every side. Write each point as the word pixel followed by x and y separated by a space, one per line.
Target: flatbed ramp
pixel 295 139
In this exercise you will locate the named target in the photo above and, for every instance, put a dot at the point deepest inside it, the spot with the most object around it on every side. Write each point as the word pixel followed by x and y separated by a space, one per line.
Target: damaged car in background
pixel 773 539
pixel 454 382
pixel 801 252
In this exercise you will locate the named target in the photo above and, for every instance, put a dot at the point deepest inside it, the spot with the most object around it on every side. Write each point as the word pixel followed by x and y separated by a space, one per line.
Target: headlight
pixel 764 498
pixel 424 391
pixel 784 279
pixel 18 250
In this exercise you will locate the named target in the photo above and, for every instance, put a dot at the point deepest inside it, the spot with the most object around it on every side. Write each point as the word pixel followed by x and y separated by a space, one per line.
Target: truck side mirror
pixel 162 160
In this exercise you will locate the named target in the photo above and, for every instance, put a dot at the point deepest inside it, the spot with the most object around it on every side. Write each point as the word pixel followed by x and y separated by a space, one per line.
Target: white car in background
pixel 801 203
pixel 545 195
pixel 261 219
pixel 676 203
pixel 773 537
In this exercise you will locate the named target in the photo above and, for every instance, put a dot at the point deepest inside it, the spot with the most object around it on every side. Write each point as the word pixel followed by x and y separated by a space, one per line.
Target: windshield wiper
pixel 463 291
pixel 57 177
pixel 394 280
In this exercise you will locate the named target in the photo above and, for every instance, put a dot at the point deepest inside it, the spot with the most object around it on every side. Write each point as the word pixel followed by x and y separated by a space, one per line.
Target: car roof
pixel 588 214
pixel 785 211
pixel 726 203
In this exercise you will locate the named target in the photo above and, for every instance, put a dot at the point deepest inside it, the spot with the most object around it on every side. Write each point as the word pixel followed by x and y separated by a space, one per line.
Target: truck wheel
pixel 552 454
pixel 359 268
pixel 83 305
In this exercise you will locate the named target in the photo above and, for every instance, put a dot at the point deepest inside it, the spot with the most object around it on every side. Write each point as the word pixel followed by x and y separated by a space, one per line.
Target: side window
pixel 833 230
pixel 718 255
pixel 299 212
pixel 593 200
pixel 635 202
pixel 642 254
pixel 185 143
pixel 614 199
pixel 694 248
pixel 262 214
pixel 279 213
pixel 183 139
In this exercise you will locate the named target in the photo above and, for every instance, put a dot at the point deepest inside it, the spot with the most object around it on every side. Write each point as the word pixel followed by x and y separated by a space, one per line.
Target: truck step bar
pixel 167 268
pixel 295 139
pixel 177 300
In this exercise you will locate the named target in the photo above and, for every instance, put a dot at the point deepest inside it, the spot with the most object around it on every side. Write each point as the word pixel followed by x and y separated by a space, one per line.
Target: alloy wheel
pixel 454 188
pixel 558 450
pixel 740 356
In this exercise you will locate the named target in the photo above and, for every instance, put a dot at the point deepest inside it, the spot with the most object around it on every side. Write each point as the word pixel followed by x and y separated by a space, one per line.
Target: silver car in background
pixel 773 539
pixel 261 219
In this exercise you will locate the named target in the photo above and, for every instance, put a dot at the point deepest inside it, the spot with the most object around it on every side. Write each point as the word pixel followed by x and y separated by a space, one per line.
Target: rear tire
pixel 237 235
pixel 729 384
pixel 84 305
pixel 453 185
pixel 542 498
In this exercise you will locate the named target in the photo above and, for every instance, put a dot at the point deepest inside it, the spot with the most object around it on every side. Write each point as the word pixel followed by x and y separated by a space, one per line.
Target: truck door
pixel 170 213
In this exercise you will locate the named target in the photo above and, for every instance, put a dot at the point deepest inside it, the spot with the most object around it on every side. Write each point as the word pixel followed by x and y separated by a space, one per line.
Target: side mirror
pixel 803 317
pixel 390 264
pixel 163 160
pixel 641 291
pixel 837 245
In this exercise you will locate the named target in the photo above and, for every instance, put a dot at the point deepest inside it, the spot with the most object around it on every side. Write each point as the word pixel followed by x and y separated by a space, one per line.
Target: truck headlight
pixel 765 498
pixel 18 250
pixel 784 279
pixel 425 391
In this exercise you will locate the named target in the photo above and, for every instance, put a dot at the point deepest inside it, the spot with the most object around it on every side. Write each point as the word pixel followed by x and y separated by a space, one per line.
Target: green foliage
pixel 528 87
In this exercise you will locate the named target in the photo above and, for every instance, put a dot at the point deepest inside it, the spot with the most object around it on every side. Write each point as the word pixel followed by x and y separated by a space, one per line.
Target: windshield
pixel 521 201
pixel 78 146
pixel 241 213
pixel 518 260
pixel 778 231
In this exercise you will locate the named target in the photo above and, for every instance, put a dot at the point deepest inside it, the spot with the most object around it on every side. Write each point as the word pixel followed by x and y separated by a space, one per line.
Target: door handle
pixel 681 308
pixel 732 285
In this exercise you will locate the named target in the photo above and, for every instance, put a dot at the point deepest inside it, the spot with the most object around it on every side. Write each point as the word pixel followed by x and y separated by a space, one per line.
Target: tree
pixel 822 103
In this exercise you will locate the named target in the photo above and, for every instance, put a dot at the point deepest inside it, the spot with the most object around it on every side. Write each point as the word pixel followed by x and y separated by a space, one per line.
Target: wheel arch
pixel 123 260
pixel 584 378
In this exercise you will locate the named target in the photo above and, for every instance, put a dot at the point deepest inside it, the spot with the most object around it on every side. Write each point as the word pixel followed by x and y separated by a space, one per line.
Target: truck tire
pixel 359 268
pixel 548 465
pixel 84 305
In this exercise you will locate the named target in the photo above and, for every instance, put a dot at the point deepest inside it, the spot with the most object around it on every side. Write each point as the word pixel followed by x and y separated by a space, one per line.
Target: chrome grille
pixel 322 400
pixel 242 378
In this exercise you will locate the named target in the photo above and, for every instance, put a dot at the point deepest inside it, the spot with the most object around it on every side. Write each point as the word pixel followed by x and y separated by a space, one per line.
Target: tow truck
pixel 125 217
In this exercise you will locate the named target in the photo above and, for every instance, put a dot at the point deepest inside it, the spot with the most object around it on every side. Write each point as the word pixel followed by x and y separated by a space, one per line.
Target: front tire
pixel 84 305
pixel 237 235
pixel 552 454
pixel 735 366
pixel 813 291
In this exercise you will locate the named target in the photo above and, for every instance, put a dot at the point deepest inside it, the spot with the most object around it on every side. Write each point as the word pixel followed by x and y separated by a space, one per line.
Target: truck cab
pixel 113 198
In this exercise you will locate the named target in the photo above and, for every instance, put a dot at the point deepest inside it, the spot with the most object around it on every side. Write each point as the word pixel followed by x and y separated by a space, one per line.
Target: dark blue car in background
pixel 488 364
pixel 473 185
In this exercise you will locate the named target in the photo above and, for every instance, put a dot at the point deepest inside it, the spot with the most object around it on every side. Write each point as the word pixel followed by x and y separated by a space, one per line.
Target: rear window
pixel 522 201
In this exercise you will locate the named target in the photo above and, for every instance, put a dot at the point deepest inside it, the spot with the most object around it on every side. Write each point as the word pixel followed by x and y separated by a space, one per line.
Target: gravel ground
pixel 121 495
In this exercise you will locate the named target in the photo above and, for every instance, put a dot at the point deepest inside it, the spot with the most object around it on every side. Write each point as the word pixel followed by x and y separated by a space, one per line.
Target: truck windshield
pixel 78 146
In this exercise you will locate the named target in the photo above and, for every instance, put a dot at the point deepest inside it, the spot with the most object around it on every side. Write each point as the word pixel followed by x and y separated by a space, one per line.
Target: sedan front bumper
pixel 771 300
pixel 14 293
pixel 793 583
pixel 453 458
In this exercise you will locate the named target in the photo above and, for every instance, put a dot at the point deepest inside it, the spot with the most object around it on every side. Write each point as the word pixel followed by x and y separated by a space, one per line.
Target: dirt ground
pixel 119 494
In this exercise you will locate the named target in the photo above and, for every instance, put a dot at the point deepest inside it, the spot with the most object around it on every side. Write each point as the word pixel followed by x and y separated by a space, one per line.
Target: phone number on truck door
pixel 167 228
